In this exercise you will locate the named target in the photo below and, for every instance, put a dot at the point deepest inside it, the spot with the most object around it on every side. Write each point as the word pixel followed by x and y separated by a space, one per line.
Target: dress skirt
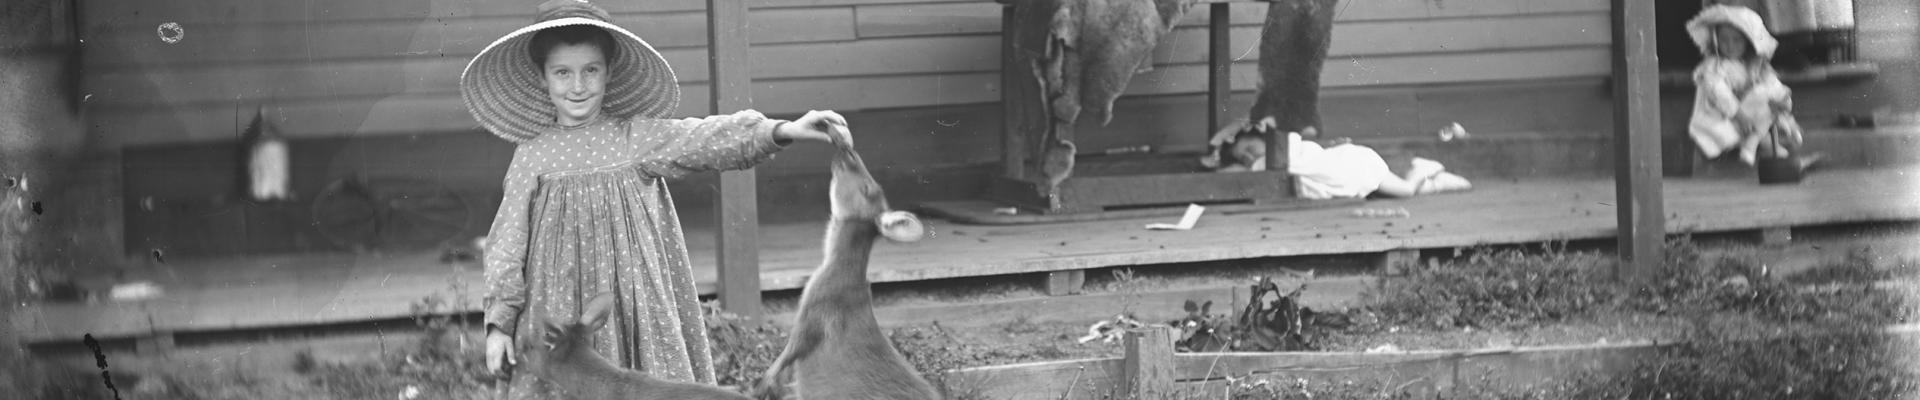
pixel 614 230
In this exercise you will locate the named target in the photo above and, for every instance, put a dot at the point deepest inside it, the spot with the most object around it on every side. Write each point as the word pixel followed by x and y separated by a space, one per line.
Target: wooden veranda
pixel 748 257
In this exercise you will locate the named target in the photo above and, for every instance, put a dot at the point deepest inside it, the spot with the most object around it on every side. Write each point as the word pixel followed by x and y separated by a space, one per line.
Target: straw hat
pixel 508 95
pixel 1741 18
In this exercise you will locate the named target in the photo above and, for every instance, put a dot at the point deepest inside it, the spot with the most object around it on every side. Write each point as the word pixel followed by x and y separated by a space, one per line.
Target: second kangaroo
pixel 564 358
pixel 837 350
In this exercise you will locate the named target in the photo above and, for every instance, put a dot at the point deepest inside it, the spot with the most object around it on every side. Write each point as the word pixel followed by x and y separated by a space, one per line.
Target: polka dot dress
pixel 586 211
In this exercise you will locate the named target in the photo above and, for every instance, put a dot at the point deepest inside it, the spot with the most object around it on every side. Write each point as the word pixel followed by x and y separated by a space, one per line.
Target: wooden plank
pixel 1776 236
pixel 737 209
pixel 199 12
pixel 1473 8
pixel 879 57
pixel 1148 364
pixel 1094 193
pixel 1413 37
pixel 129 46
pixel 1637 170
pixel 1050 380
pixel 1150 306
pixel 1204 366
pixel 1399 70
pixel 1560 6
pixel 1380 10
pixel 898 20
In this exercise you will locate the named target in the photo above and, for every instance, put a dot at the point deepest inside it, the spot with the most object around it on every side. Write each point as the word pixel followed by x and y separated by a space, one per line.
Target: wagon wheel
pixel 388 214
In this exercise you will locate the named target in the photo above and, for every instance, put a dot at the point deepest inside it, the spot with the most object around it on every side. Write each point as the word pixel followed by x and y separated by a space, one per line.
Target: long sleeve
pixel 505 261
pixel 674 148
pixel 1715 90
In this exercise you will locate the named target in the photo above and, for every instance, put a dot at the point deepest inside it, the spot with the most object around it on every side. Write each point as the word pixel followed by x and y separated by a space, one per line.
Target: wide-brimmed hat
pixel 1740 18
pixel 508 94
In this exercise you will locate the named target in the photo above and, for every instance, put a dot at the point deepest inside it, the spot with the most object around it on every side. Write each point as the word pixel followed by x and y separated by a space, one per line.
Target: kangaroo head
pixel 562 340
pixel 855 196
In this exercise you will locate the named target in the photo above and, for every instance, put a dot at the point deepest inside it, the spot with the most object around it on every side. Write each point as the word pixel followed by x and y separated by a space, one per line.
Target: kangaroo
pixel 564 359
pixel 836 350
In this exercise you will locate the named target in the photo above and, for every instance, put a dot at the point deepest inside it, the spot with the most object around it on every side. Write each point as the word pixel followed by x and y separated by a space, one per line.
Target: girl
pixel 1343 170
pixel 1740 101
pixel 586 208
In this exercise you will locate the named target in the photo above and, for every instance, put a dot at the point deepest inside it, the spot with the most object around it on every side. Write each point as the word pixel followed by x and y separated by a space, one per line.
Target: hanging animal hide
pixel 1089 49
pixel 1293 48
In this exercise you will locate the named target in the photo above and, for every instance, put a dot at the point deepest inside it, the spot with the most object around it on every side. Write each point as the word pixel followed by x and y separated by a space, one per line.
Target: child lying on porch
pixel 1343 170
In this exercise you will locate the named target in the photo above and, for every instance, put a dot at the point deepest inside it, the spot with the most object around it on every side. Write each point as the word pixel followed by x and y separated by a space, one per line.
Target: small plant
pixel 1123 280
pixel 742 347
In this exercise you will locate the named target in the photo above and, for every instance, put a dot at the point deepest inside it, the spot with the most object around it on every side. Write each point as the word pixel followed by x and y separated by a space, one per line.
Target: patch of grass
pixel 742 348
pixel 442 364
pixel 1812 334
pixel 1497 289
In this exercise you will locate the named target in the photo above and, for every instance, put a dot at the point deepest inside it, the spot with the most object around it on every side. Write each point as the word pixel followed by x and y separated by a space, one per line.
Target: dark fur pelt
pixel 1293 49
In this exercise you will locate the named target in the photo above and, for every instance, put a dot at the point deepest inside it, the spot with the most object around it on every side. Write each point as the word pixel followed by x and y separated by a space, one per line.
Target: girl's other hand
pixel 499 350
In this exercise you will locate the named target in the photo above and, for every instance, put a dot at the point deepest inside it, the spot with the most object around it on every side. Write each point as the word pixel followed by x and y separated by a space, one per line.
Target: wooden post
pixel 1636 140
pixel 1016 93
pixel 1149 364
pixel 737 213
pixel 1219 67
pixel 1062 283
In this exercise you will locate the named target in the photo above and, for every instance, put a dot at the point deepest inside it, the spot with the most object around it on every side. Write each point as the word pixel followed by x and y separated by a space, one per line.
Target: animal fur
pixel 564 360
pixel 1090 49
pixel 836 350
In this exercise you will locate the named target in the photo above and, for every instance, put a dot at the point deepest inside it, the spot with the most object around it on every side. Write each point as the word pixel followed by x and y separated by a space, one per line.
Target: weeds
pixel 1497 289
pixel 742 347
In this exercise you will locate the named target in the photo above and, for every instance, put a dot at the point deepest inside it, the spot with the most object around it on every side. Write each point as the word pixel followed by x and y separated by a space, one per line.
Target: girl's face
pixel 576 78
pixel 1729 42
pixel 1249 150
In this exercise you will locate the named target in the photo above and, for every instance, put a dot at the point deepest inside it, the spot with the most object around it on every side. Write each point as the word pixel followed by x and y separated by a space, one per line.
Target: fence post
pixel 1149 365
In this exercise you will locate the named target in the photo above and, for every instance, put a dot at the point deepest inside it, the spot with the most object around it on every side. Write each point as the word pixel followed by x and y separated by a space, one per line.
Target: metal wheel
pixel 389 214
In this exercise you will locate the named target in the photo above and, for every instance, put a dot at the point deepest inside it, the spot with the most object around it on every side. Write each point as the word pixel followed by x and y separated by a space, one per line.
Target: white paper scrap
pixel 1186 221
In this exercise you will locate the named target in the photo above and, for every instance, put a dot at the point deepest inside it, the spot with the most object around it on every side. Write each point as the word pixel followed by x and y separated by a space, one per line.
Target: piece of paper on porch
pixel 1186 221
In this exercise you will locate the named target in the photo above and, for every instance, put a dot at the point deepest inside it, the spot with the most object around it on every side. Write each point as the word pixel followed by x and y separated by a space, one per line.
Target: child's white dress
pixel 1341 171
pixel 1734 103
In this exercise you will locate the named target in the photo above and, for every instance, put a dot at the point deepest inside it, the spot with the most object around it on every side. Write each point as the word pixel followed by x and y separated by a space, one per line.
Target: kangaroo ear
pixel 1190 307
pixel 901 226
pixel 1206 308
pixel 595 313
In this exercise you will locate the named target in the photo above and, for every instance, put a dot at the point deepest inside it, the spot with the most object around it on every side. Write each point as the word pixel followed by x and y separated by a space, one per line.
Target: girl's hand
pixel 819 126
pixel 499 350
